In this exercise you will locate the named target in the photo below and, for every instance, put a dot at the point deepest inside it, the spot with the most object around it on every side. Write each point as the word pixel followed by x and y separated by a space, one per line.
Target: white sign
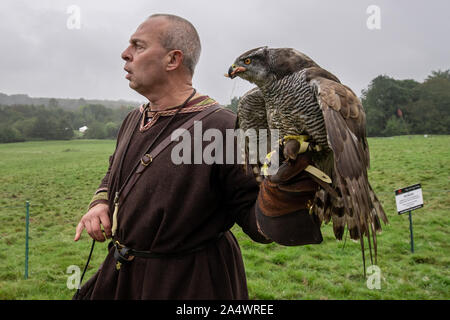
pixel 409 198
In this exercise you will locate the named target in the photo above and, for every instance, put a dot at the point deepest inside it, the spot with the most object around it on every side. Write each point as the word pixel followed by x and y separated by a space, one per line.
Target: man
pixel 178 215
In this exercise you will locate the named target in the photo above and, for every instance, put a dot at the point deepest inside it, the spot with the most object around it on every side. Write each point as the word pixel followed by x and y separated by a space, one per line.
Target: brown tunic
pixel 175 208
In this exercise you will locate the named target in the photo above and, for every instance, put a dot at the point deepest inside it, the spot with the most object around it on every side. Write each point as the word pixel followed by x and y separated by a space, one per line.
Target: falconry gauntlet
pixel 284 201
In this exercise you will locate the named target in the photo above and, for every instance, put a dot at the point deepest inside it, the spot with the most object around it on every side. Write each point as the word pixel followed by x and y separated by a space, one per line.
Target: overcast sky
pixel 42 57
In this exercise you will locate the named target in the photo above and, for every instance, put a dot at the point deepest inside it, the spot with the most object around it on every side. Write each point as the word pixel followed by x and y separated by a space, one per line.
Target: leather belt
pixel 123 254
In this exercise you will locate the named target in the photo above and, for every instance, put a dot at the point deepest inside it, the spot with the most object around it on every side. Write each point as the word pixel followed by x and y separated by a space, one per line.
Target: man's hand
pixel 284 202
pixel 289 190
pixel 92 221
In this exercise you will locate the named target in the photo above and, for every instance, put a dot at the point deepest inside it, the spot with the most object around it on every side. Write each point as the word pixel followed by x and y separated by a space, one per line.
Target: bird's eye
pixel 247 61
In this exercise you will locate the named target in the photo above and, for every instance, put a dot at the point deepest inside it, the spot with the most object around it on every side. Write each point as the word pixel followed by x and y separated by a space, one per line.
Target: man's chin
pixel 132 85
pixel 135 87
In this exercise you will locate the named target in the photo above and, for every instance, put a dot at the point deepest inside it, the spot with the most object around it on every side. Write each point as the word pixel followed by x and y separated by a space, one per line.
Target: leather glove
pixel 284 202
pixel 290 189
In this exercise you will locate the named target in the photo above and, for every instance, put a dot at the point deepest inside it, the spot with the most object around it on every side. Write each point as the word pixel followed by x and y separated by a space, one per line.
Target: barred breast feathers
pixel 292 95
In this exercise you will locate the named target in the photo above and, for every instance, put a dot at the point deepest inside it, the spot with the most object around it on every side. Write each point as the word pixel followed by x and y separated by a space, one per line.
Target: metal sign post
pixel 411 232
pixel 408 199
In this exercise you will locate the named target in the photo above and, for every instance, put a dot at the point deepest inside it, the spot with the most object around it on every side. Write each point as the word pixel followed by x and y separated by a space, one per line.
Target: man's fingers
pixel 289 170
pixel 78 231
pixel 100 236
pixel 93 222
pixel 87 226
pixel 104 220
pixel 95 231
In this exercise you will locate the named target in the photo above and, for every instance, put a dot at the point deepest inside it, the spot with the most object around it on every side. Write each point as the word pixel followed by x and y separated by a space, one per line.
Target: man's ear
pixel 175 59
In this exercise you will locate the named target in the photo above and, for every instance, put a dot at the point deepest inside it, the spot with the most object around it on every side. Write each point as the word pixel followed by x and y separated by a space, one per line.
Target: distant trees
pixel 102 122
pixel 10 134
pixel 233 104
pixel 397 107
pixel 393 107
pixel 112 129
pixel 34 122
pixel 30 122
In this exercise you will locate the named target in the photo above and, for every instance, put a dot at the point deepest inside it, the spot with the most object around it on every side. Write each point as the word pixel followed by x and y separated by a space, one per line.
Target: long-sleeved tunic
pixel 173 208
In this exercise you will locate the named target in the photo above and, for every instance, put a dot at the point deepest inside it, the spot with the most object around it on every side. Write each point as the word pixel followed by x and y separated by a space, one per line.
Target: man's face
pixel 145 58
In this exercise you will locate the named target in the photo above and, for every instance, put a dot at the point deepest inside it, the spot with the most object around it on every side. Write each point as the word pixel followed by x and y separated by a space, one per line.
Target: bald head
pixel 180 34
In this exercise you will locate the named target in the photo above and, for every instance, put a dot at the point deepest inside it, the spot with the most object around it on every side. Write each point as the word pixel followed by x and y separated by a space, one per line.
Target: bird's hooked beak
pixel 233 70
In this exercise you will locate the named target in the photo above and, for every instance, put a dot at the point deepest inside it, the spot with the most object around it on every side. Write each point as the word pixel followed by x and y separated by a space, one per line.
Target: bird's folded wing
pixel 344 122
pixel 251 114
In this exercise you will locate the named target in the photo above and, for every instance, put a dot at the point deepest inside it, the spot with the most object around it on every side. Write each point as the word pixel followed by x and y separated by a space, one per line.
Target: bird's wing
pixel 343 100
pixel 251 114
pixel 345 125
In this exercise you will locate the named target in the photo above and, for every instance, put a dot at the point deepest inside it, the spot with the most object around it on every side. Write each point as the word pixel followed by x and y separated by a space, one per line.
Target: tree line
pixel 399 107
pixel 51 122
pixel 393 107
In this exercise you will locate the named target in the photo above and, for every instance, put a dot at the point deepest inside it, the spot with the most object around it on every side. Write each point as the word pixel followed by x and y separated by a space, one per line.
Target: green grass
pixel 58 179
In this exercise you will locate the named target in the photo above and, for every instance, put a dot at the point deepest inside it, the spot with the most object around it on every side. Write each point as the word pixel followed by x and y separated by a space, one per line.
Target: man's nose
pixel 126 55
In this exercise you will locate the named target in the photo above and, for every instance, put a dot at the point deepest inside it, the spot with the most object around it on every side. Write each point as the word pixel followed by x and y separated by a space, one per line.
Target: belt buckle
pixel 146 163
pixel 121 254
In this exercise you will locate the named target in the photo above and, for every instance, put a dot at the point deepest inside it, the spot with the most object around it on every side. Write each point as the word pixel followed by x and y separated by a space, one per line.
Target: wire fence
pixel 29 204
pixel 33 204
pixel 28 237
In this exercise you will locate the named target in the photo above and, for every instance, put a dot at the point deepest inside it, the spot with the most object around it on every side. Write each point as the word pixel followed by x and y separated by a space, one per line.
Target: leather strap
pixel 124 254
pixel 148 158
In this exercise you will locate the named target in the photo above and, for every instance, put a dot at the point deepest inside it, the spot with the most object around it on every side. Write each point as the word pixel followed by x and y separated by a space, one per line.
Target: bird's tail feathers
pixel 377 211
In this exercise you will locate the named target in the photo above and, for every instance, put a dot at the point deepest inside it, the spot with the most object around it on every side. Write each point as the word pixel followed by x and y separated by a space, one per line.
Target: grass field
pixel 58 179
